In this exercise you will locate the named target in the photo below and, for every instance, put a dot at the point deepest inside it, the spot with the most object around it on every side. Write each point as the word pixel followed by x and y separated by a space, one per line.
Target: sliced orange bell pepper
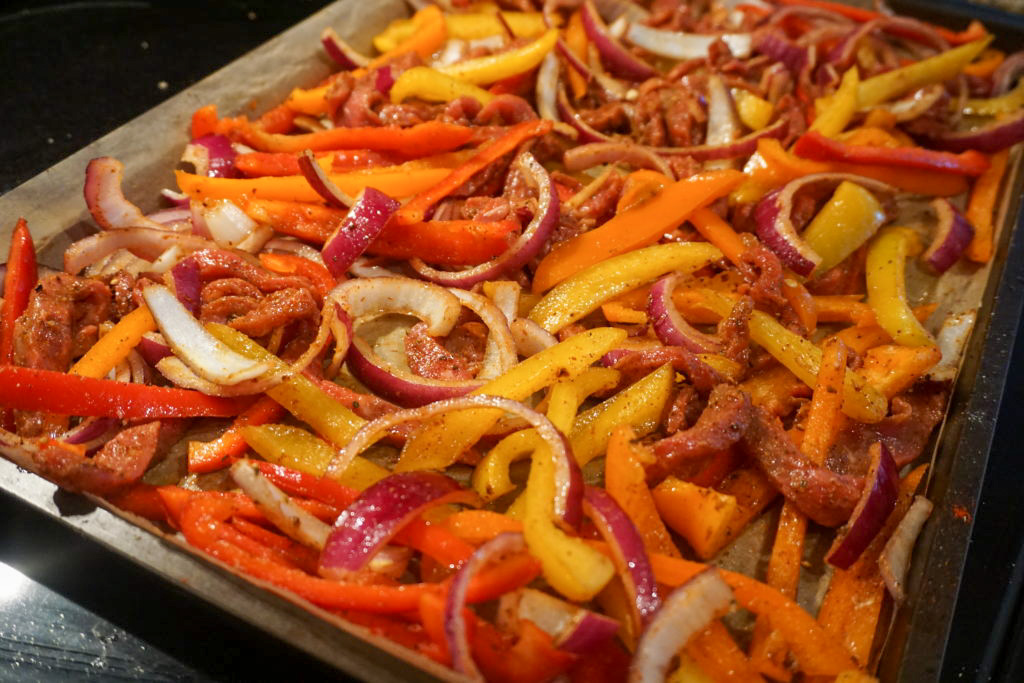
pixel 892 369
pixel 576 41
pixel 981 207
pixel 115 345
pixel 719 657
pixel 429 34
pixel 987 62
pixel 419 140
pixel 635 228
pixel 204 121
pixel 701 515
pixel 209 456
pixel 454 243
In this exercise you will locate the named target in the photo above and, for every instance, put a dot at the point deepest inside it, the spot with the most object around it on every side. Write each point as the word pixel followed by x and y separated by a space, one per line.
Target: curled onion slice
pixel 292 520
pixel 895 558
pixel 340 51
pixel 530 337
pixel 881 486
pixel 687 611
pixel 526 246
pixel 146 243
pixel 368 298
pixel 202 352
pixel 187 285
pixel 547 87
pixel 572 117
pixel 678 45
pixel 500 348
pixel 227 223
pixel 364 221
pixel 582 157
pixel 568 478
pixel 213 156
pixel 741 147
pixel 106 200
pixel 322 183
pixel 615 57
pixel 572 628
pixel 671 328
pixel 952 235
pixel 1006 74
pixel 991 137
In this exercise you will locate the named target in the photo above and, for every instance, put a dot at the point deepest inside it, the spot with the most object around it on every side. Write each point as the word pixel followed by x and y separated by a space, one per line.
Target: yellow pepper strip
pixel 431 85
pixel 1004 104
pixel 849 219
pixel 429 34
pixel 840 108
pixel 503 65
pixel 754 112
pixel 885 272
pixel 937 69
pixel 585 291
pixel 296 448
pixel 469 26
pixel 443 440
pixel 640 406
pixel 491 477
pixel 861 401
pixel 115 345
pixel 299 395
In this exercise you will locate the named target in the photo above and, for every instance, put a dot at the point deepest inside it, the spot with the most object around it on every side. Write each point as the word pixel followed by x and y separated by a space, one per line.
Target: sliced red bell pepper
pixel 814 145
pixel 21 277
pixel 533 656
pixel 258 164
pixel 280 119
pixel 419 140
pixel 458 242
pixel 63 394
pixel 142 500
pixel 298 483
pixel 209 456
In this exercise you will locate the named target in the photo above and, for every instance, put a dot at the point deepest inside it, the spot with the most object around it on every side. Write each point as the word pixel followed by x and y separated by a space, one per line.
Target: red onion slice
pixel 380 512
pixel 582 157
pixel 895 558
pixel 573 629
pixel 628 552
pixel 92 432
pixel 881 486
pixel 368 298
pixel 573 118
pixel 145 243
pixel 290 245
pixel 780 49
pixel 341 52
pixel 530 337
pixel 363 223
pixel 678 45
pixel 991 137
pixel 178 218
pixel 220 156
pixel 505 296
pixel 384 80
pixel 292 520
pixel 687 611
pixel 153 348
pixel 526 246
pixel 916 103
pixel 187 285
pixel 177 199
pixel 457 640
pixel 227 223
pixel 322 183
pixel 568 478
pixel 547 87
pixel 741 147
pixel 615 57
pixel 723 124
pixel 1006 74
pixel 106 201
pixel 670 326
pixel 952 235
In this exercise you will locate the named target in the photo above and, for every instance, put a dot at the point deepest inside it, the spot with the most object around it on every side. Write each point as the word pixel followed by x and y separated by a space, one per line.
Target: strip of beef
pixel 507 109
pixel 823 495
pixel 905 431
pixel 634 364
pixel 723 423
pixel 762 269
pixel 429 358
pixel 734 330
pixel 276 309
pixel 217 263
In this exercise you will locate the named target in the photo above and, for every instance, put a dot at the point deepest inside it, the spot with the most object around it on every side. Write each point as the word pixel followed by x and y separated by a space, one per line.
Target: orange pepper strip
pixel 640 186
pixel 431 32
pixel 986 64
pixel 626 482
pixel 635 228
pixel 210 456
pixel 981 207
pixel 292 264
pixel 394 181
pixel 310 222
pixel 277 120
pixel 825 418
pixel 576 41
pixel 479 526
pixel 258 164
pixel 204 121
pixel 415 210
pixel 454 243
pixel 436 541
pixel 753 493
pixel 866 335
pixel 854 599
pixel 418 140
pixel 311 101
pixel 718 655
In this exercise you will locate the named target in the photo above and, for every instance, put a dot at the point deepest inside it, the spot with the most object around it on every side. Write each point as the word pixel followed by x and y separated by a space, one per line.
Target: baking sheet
pixel 149 147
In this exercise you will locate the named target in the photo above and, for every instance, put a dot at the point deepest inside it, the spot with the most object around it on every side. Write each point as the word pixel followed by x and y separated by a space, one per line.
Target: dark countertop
pixel 70 610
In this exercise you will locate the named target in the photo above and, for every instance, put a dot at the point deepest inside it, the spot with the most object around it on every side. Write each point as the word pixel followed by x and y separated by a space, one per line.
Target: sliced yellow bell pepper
pixel 298 394
pixel 443 440
pixel 701 515
pixel 885 272
pixel 937 69
pixel 861 401
pixel 1004 104
pixel 754 112
pixel 838 110
pixel 585 291
pixel 640 406
pixel 431 85
pixel 468 26
pixel 493 68
pixel 848 220
pixel 296 448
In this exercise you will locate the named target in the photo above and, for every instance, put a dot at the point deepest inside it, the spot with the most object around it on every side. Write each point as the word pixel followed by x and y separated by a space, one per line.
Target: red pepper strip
pixel 280 119
pixel 418 140
pixel 513 85
pixel 202 522
pixel 142 500
pixel 257 164
pixel 415 210
pixel 296 483
pixel 292 264
pixel 973 32
pixel 204 121
pixel 436 541
pixel 814 145
pixel 209 456
pixel 63 394
pixel 533 656
pixel 21 277
pixel 459 242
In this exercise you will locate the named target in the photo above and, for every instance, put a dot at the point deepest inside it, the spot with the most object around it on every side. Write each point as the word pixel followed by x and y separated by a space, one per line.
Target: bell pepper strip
pixel 309 222
pixel 204 121
pixel 297 483
pixel 887 287
pixel 419 140
pixel 986 63
pixel 478 526
pixel 755 112
pixel 435 541
pixel 438 444
pixel 587 289
pixel 393 181
pixel 140 499
pixel 467 26
pixel 430 85
pixel 814 145
pixel 309 101
pixel 639 405
pixel 210 456
pixel 21 277
pixel 717 654
pixel 994 106
pixel 839 108
pixel 293 264
pixel 626 482
pixel 981 207
pixel 64 394
pixel 860 400
pixel 453 243
pixel 428 35
pixel 688 671
pixel 825 417
pixel 635 228
pixel 295 448
pixel 299 395
pixel 853 603
pixel 893 369
pixel 576 42
pixel 533 656
pixel 859 14
pixel 937 69
pixel 415 210
pixel 701 515
pixel 847 220
pixel 640 186
pixel 503 65
pixel 866 335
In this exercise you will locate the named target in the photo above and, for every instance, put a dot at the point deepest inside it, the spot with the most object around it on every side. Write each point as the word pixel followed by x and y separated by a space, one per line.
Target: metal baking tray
pixel 149 147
